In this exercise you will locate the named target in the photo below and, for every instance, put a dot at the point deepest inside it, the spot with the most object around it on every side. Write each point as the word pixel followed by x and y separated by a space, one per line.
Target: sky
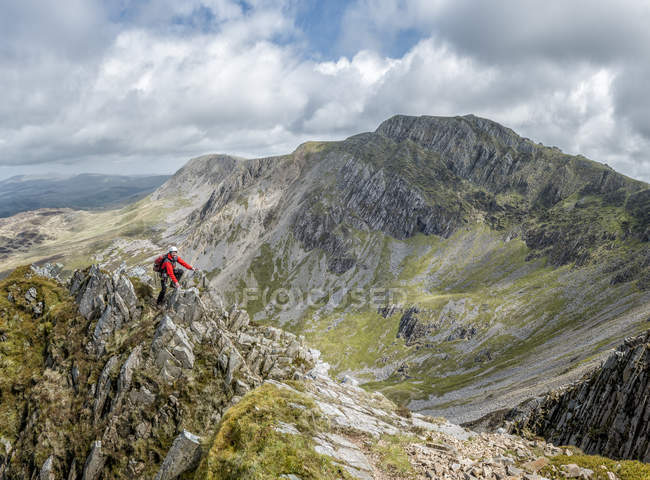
pixel 141 86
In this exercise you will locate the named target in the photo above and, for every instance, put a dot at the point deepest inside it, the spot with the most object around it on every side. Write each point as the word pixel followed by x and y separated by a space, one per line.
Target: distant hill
pixel 86 191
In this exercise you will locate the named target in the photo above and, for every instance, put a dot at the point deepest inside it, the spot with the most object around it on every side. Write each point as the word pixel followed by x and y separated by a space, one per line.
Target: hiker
pixel 166 266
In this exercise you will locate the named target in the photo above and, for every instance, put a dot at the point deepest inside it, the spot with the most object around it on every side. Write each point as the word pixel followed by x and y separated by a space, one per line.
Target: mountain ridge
pixel 521 275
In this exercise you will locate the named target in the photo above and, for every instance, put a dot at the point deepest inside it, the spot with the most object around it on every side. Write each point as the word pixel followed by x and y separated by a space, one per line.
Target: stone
pixel 104 387
pixel 72 473
pixel 183 455
pixel 94 463
pixel 574 471
pixel 514 471
pixel 142 396
pixel 238 320
pixel 126 372
pixel 47 470
pixel 535 465
pixel 30 296
pixel 287 428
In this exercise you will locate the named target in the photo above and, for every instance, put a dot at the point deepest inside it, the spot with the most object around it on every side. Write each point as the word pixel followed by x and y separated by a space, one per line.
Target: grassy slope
pixel 516 305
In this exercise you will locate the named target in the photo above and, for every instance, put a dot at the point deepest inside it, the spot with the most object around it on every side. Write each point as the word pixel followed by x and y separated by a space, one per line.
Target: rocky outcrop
pixel 47 470
pixel 410 327
pixel 94 463
pixel 116 399
pixel 606 413
pixel 110 299
pixel 184 455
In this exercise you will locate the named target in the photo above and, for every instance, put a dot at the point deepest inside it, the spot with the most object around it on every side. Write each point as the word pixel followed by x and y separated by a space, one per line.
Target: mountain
pixel 86 191
pixel 446 262
pixel 513 266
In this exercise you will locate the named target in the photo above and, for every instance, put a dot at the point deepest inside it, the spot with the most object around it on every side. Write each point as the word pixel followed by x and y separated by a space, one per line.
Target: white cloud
pixel 149 98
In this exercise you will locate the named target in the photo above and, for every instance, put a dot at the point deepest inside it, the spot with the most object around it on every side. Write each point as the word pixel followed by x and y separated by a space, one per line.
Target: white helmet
pixel 173 249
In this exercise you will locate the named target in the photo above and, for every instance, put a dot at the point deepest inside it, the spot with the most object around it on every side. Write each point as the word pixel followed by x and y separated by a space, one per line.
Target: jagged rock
pixel 608 412
pixel 186 305
pixel 104 387
pixel 235 361
pixel 74 375
pixel 49 270
pixel 111 298
pixel 94 463
pixel 72 474
pixel 238 320
pixel 31 294
pixel 184 455
pixel 47 470
pixel 172 349
pixel 5 452
pixel 126 375
pixel 411 328
pixel 126 372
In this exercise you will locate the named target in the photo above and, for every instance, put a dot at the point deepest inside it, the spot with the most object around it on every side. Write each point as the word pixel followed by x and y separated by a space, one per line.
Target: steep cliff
pixel 607 412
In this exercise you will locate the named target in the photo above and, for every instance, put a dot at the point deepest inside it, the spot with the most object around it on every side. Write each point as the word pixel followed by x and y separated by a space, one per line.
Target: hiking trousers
pixel 178 273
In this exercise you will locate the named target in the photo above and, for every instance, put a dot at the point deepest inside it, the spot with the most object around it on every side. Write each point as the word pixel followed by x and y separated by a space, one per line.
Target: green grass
pixel 623 469
pixel 392 456
pixel 248 446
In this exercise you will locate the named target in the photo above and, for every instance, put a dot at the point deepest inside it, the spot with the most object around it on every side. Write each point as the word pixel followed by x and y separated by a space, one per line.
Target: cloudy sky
pixel 140 86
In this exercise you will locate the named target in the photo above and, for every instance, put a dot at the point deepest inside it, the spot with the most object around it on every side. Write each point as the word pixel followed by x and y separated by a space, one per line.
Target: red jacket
pixel 169 266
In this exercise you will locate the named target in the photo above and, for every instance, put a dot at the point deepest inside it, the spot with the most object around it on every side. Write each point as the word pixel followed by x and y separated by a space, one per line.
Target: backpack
pixel 159 262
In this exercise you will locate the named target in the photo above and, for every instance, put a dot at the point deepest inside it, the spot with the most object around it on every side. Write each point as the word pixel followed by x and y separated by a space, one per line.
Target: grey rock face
pixel 368 197
pixel 94 463
pixel 184 455
pixel 104 388
pixel 111 299
pixel 607 413
pixel 172 349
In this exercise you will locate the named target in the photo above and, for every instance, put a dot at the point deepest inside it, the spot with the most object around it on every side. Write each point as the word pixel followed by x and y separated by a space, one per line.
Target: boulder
pixel 94 463
pixel 184 455
pixel 185 305
pixel 47 470
pixel 238 320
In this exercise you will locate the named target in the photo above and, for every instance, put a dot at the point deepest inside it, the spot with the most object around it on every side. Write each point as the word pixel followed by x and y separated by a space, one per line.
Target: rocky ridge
pixel 607 412
pixel 135 379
